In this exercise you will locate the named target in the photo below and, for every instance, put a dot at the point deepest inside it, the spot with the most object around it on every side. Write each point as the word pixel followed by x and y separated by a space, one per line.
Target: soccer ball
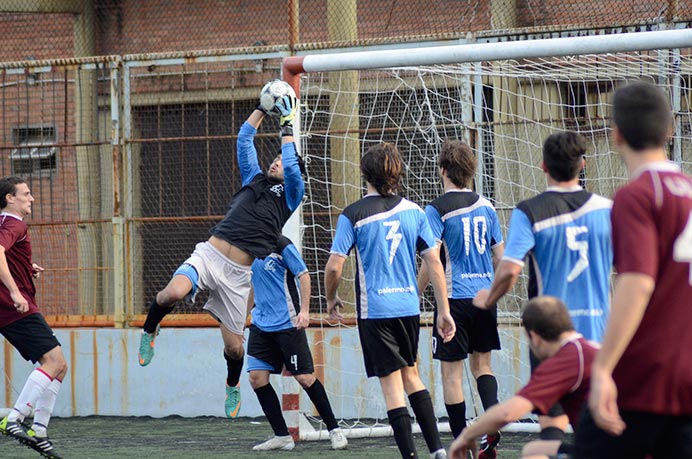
pixel 273 91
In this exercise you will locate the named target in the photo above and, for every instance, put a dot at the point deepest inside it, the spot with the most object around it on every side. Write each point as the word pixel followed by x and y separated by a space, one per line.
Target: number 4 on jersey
pixel 682 249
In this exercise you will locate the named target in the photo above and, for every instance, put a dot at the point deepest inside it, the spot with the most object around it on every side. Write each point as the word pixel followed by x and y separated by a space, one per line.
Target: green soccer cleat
pixel 16 430
pixel 146 346
pixel 232 402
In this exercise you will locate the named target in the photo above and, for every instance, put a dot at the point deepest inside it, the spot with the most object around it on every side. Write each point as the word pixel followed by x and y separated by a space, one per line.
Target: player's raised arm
pixel 246 151
pixel 287 106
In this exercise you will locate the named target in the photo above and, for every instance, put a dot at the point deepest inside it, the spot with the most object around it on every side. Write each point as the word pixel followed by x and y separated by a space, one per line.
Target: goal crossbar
pixel 293 66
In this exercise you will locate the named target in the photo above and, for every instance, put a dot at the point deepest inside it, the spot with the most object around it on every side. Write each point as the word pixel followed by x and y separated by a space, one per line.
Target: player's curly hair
pixel 460 162
pixel 8 185
pixel 382 167
pixel 562 155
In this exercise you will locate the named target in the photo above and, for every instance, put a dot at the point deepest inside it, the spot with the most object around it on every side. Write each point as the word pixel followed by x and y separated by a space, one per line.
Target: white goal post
pixel 503 98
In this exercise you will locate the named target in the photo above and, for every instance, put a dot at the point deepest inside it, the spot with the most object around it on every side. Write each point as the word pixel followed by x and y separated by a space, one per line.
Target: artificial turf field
pixel 98 437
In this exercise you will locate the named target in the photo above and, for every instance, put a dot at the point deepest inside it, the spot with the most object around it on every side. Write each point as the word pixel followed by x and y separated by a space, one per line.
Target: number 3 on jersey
pixel 682 249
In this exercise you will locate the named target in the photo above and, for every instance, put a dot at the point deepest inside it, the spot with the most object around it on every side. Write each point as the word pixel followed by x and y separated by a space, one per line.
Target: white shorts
pixel 228 284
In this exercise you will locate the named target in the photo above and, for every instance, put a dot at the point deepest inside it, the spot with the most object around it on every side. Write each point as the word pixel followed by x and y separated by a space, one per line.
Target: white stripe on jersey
pixel 363 286
pixel 482 202
pixel 595 202
pixel 405 204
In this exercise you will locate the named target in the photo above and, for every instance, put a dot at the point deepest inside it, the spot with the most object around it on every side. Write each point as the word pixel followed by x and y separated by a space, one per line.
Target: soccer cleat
pixel 284 443
pixel 146 346
pixel 232 402
pixel 338 439
pixel 44 446
pixel 439 454
pixel 16 430
pixel 488 449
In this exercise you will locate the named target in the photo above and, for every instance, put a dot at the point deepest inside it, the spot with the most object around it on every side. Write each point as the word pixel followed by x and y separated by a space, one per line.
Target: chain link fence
pixel 131 155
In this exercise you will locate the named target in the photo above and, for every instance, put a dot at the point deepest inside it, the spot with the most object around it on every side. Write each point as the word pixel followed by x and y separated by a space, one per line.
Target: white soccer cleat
pixel 338 439
pixel 284 443
pixel 439 454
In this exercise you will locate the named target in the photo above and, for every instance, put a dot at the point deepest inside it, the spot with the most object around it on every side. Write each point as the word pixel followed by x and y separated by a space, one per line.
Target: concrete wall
pixel 187 375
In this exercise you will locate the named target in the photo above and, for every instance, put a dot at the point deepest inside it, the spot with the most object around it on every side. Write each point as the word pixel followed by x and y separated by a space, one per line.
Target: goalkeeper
pixel 250 230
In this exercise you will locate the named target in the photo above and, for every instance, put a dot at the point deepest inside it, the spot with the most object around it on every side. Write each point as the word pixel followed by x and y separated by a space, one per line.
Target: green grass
pixel 101 437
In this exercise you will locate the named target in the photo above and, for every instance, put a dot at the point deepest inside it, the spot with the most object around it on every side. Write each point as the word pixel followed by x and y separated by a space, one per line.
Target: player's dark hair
pixel 642 114
pixel 460 162
pixel 546 316
pixel 562 155
pixel 8 185
pixel 382 167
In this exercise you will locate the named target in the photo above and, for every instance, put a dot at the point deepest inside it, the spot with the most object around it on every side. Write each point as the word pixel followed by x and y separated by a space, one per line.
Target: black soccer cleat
pixel 45 448
pixel 16 430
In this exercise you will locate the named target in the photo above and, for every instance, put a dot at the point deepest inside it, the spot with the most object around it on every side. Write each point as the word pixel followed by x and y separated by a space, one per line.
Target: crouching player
pixel 281 285
pixel 563 375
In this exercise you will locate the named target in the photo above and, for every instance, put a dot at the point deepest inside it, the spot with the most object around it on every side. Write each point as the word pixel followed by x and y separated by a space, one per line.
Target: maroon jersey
pixel 652 235
pixel 14 237
pixel 564 377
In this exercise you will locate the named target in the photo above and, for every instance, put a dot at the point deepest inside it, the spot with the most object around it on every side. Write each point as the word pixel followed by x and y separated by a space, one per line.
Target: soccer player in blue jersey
pixel 250 229
pixel 386 231
pixel 281 285
pixel 468 230
pixel 565 233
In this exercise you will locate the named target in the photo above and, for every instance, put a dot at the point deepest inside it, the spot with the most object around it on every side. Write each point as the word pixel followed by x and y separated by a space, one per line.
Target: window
pixel 34 154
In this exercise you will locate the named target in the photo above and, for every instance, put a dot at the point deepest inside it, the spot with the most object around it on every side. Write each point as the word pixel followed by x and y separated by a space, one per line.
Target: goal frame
pixel 293 67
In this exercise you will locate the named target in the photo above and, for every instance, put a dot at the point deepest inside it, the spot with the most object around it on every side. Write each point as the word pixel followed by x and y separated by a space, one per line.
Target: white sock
pixel 44 407
pixel 35 385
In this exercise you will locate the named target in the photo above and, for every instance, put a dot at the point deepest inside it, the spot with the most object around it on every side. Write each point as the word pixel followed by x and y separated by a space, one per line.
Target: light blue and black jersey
pixel 567 238
pixel 277 287
pixel 386 232
pixel 469 229
pixel 260 209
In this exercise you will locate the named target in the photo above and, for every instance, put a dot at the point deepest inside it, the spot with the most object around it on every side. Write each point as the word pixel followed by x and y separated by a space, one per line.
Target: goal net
pixel 504 108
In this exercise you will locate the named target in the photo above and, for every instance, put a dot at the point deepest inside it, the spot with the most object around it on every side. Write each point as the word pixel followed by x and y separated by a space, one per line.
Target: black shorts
pixel 388 344
pixel 31 336
pixel 284 347
pixel 646 435
pixel 555 410
pixel 476 331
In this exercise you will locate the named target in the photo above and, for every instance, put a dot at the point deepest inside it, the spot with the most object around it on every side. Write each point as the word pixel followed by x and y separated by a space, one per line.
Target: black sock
pixel 234 368
pixel 271 407
pixel 403 433
pixel 487 389
pixel 552 433
pixel 319 398
pixel 422 407
pixel 155 316
pixel 457 417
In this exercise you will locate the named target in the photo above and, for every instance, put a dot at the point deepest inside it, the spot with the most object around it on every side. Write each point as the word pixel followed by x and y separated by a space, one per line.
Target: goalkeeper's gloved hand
pixel 287 106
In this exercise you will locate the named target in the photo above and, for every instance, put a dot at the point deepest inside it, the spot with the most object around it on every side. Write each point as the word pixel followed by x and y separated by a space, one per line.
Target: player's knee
pixel 258 379
pixel 305 381
pixel 168 296
pixel 54 363
pixel 412 382
pixel 234 350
